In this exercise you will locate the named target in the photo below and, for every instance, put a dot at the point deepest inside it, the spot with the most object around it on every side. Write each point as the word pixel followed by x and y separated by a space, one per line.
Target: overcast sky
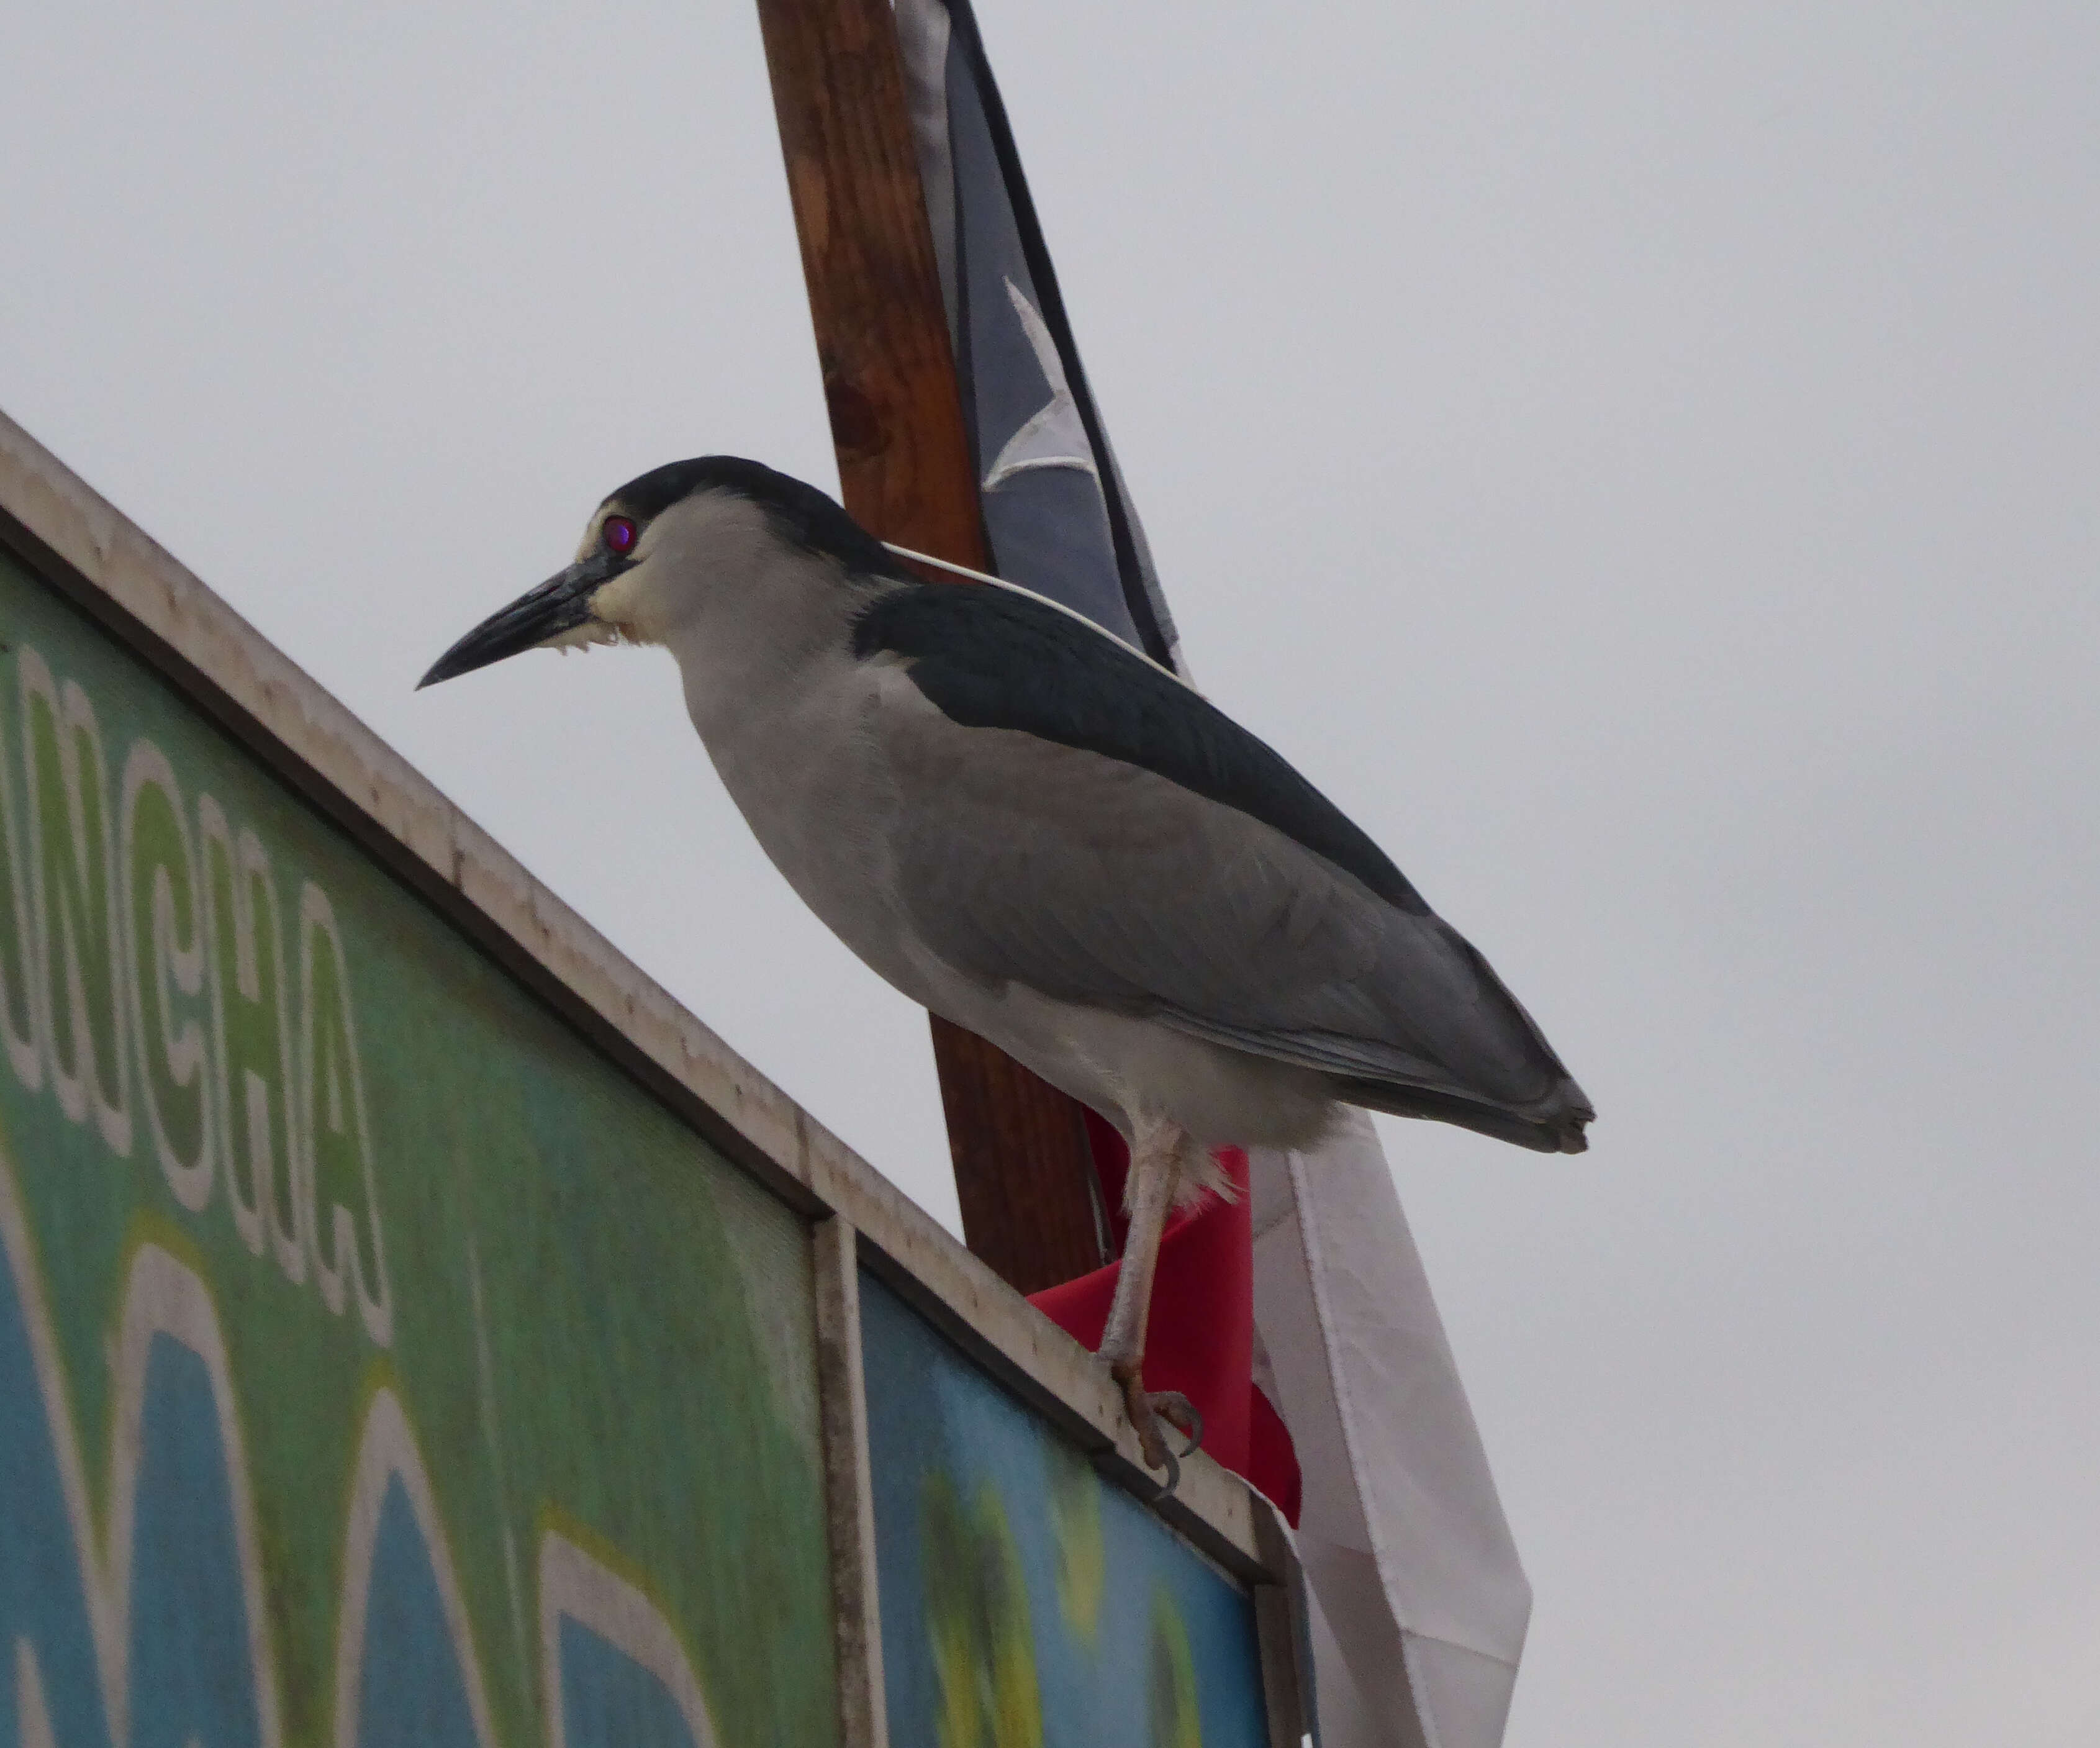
pixel 1642 461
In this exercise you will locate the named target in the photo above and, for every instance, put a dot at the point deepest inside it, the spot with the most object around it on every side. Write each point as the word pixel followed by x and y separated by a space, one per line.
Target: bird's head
pixel 684 542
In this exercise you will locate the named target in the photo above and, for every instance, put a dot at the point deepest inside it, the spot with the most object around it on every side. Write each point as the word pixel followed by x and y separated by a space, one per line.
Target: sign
pixel 377 1363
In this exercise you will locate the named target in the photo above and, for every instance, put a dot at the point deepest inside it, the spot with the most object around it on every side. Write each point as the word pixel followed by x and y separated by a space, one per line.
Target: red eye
pixel 618 534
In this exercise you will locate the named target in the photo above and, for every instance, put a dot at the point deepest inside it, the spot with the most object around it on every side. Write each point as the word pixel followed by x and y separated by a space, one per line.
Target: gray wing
pixel 1097 881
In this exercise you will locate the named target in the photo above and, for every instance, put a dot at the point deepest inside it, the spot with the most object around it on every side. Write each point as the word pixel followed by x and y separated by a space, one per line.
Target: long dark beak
pixel 559 604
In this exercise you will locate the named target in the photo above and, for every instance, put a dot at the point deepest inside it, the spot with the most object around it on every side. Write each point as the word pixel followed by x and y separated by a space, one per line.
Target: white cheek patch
pixel 618 611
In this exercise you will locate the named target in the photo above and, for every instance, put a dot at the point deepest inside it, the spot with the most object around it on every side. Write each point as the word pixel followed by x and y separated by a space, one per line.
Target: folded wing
pixel 1063 839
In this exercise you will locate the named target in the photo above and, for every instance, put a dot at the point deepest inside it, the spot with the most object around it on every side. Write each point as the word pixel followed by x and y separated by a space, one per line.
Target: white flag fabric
pixel 1418 1604
pixel 1420 1601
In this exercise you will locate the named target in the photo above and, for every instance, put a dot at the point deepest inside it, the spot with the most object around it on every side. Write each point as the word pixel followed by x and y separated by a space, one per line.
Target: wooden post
pixel 1023 1170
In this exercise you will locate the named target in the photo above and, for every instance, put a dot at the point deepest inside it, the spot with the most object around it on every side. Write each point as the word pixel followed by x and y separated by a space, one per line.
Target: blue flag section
pixel 1057 517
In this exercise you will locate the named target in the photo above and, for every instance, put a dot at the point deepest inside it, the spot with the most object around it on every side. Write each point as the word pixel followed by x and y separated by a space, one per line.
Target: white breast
pixel 788 726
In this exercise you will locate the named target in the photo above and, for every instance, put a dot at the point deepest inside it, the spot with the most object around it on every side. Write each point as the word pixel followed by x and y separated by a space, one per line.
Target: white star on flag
pixel 1054 437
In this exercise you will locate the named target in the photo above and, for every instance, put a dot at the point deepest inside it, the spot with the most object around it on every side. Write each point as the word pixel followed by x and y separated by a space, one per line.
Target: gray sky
pixel 1640 460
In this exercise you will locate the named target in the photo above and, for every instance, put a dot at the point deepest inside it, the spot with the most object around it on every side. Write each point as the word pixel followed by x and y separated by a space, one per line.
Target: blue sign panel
pixel 1025 1602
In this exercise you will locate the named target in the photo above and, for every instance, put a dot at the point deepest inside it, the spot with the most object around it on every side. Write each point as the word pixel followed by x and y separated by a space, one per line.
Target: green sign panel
pixel 378 1364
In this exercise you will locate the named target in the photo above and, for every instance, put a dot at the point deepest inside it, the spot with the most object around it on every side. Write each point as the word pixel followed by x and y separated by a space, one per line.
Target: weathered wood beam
pixel 1023 1172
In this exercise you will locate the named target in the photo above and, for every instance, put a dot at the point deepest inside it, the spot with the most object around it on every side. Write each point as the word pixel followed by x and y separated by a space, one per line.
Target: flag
pixel 1297 1316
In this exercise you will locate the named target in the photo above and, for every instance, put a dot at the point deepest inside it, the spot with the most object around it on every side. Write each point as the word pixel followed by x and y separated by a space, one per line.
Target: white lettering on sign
pixel 153 982
pixel 161 1622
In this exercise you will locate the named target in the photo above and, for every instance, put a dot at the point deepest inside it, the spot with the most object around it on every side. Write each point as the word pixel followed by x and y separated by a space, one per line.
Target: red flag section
pixel 1200 1340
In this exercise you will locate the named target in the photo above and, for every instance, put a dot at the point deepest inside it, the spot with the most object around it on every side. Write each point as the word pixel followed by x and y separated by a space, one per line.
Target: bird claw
pixel 1147 1410
pixel 1182 1415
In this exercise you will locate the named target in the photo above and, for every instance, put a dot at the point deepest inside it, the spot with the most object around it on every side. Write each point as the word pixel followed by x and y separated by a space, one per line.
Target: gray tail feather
pixel 1554 1125
pixel 1382 1077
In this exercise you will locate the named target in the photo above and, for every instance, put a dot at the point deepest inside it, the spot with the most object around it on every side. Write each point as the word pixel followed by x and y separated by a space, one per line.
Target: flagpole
pixel 1024 1171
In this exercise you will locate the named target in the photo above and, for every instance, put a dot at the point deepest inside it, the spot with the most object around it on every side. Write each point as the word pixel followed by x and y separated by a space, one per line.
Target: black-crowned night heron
pixel 1032 830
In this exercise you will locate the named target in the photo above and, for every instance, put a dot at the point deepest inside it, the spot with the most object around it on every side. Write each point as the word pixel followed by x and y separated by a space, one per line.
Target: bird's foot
pixel 1151 1411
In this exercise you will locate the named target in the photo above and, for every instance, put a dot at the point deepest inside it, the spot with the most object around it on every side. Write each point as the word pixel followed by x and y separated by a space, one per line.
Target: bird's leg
pixel 1155 1169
